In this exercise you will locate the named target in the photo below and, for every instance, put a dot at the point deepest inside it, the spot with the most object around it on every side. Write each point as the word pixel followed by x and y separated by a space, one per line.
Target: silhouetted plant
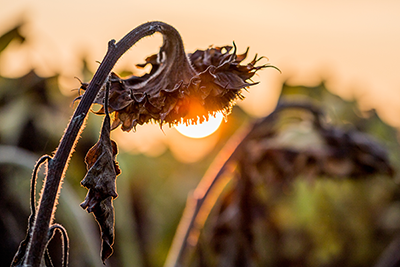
pixel 178 87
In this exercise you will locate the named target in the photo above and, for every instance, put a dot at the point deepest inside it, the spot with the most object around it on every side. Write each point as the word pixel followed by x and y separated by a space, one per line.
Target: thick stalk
pixel 57 166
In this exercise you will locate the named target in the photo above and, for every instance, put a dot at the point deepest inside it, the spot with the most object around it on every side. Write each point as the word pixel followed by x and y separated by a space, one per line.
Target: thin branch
pixel 57 166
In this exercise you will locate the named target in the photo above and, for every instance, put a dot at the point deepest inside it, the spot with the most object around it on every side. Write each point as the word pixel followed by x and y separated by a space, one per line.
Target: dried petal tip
pixel 180 86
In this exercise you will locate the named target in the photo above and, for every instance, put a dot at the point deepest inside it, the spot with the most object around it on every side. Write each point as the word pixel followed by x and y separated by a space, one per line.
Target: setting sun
pixel 203 129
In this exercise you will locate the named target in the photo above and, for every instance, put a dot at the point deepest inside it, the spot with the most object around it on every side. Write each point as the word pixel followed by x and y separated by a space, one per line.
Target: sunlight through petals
pixel 201 130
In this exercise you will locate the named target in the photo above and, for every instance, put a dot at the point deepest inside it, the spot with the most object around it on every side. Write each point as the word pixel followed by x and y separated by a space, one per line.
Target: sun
pixel 203 129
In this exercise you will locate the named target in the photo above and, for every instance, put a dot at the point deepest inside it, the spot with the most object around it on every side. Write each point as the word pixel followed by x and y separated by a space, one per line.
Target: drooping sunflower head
pixel 180 87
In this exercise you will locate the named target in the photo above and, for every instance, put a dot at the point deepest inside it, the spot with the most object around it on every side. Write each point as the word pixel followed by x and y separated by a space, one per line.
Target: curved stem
pixel 33 183
pixel 57 166
pixel 65 241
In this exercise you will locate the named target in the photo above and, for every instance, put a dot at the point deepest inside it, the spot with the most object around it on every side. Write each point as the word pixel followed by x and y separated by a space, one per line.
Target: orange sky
pixel 354 44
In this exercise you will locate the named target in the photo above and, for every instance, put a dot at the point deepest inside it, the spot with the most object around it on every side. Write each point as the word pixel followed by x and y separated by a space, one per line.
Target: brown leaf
pixel 104 214
pixel 100 180
pixel 102 169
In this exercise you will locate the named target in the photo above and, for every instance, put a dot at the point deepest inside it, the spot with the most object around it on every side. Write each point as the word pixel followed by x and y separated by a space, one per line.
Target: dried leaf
pixel 104 214
pixel 102 169
pixel 100 180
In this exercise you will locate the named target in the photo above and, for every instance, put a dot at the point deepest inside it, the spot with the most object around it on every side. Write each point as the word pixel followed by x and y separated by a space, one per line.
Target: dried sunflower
pixel 180 87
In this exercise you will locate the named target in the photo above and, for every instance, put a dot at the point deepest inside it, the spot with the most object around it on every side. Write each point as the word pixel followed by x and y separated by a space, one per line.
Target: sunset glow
pixel 201 130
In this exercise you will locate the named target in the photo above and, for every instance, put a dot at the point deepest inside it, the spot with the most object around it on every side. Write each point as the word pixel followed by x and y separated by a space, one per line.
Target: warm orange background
pixel 354 45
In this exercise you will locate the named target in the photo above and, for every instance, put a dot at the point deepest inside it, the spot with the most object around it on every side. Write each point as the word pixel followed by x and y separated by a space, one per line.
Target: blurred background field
pixel 324 50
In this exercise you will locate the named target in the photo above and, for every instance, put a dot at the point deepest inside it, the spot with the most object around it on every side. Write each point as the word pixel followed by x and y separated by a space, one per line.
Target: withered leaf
pixel 104 214
pixel 100 180
pixel 102 169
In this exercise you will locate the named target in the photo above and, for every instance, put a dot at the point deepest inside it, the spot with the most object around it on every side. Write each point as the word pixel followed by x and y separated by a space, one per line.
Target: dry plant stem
pixel 65 242
pixel 57 166
pixel 33 183
pixel 201 201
